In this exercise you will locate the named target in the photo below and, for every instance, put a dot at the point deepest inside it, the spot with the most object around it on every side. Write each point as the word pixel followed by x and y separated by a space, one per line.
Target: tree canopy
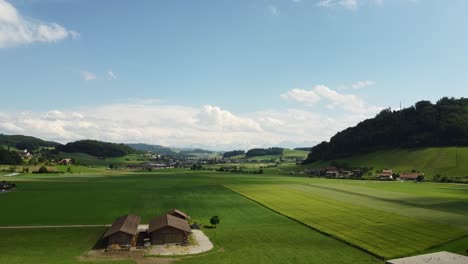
pixel 233 153
pixel 96 148
pixel 263 152
pixel 25 142
pixel 422 125
pixel 9 157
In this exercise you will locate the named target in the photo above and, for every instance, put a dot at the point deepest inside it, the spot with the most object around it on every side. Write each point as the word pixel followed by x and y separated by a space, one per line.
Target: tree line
pixel 97 148
pixel 425 124
pixel 263 152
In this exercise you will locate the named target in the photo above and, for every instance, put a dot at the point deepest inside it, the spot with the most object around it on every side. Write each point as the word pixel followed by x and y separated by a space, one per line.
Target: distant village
pixel 334 172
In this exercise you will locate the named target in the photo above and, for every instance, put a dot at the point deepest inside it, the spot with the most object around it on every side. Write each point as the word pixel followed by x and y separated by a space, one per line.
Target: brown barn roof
pixel 177 211
pixel 169 220
pixel 127 224
pixel 410 175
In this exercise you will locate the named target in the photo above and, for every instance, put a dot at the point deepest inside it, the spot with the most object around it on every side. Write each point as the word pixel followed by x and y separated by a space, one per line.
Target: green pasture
pixel 51 245
pixel 389 219
pixel 447 161
pixel 248 232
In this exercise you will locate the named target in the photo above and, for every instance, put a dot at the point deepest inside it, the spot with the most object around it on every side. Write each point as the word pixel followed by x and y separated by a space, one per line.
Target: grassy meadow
pixel 451 162
pixel 248 233
pixel 401 218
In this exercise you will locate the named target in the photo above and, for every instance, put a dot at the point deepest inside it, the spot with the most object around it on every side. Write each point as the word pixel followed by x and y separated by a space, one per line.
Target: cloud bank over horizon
pixel 207 126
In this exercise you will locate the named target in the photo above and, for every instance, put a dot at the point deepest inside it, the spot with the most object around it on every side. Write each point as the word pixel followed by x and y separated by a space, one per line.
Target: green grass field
pixel 385 218
pixel 248 233
pixel 450 161
pixel 389 219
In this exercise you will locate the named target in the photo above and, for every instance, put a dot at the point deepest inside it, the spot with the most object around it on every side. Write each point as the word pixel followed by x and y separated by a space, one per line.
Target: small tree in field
pixel 214 220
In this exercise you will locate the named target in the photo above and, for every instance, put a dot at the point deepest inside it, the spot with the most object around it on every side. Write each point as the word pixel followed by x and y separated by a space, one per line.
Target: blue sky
pixel 225 74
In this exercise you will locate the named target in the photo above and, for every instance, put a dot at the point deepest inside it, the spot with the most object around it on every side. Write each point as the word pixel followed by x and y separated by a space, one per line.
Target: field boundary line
pixel 308 226
pixel 50 226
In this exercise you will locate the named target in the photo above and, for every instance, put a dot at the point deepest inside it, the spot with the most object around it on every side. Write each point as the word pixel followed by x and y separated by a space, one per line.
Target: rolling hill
pixel 438 162
pixel 443 124
pixel 25 142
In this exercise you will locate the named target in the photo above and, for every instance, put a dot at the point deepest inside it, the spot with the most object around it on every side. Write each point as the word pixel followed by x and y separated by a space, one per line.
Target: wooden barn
pixel 178 213
pixel 169 229
pixel 122 231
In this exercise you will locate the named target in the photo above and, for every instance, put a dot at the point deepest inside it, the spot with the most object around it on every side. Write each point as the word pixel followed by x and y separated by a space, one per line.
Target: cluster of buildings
pixel 389 175
pixel 25 154
pixel 6 186
pixel 152 166
pixel 170 228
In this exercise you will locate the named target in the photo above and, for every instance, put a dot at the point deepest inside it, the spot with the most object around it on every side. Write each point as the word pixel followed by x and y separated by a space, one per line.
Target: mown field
pixel 248 233
pixel 451 162
pixel 389 219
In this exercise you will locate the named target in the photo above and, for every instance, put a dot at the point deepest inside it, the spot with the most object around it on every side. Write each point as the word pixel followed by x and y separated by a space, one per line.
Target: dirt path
pixel 50 226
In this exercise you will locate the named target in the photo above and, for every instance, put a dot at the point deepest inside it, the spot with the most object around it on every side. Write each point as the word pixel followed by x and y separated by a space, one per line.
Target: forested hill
pixel 25 142
pixel 97 148
pixel 422 125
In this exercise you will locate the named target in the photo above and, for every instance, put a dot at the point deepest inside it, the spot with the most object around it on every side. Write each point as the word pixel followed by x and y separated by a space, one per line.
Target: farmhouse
pixel 122 231
pixel 5 186
pixel 412 176
pixel 178 213
pixel 442 257
pixel 65 162
pixel 25 154
pixel 332 172
pixel 386 175
pixel 169 229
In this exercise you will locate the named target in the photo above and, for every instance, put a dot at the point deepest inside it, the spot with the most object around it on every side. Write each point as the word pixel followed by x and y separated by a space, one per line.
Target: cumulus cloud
pixel 17 30
pixel 111 75
pixel 362 84
pixel 300 95
pixel 333 99
pixel 273 10
pixel 208 126
pixel 88 76
pixel 349 4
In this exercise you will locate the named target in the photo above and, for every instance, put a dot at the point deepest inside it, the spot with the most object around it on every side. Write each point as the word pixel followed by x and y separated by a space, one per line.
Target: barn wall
pixel 167 235
pixel 120 238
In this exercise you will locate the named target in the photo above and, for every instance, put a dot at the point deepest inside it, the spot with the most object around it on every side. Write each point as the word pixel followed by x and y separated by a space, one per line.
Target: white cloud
pixel 348 102
pixel 111 75
pixel 88 76
pixel 17 30
pixel 349 4
pixel 208 126
pixel 303 96
pixel 273 10
pixel 362 84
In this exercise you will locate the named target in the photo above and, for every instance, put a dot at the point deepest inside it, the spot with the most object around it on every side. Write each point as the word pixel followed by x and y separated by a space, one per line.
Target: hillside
pixel 175 152
pixel 25 142
pixel 269 154
pixel 153 148
pixel 450 162
pixel 96 148
pixel 423 125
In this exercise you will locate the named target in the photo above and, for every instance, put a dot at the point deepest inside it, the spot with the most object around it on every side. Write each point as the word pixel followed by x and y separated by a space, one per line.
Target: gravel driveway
pixel 203 244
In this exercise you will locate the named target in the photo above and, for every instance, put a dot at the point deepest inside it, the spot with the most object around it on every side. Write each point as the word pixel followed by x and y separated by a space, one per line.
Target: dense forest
pixel 263 152
pixel 97 148
pixel 25 142
pixel 9 157
pixel 233 153
pixel 422 125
